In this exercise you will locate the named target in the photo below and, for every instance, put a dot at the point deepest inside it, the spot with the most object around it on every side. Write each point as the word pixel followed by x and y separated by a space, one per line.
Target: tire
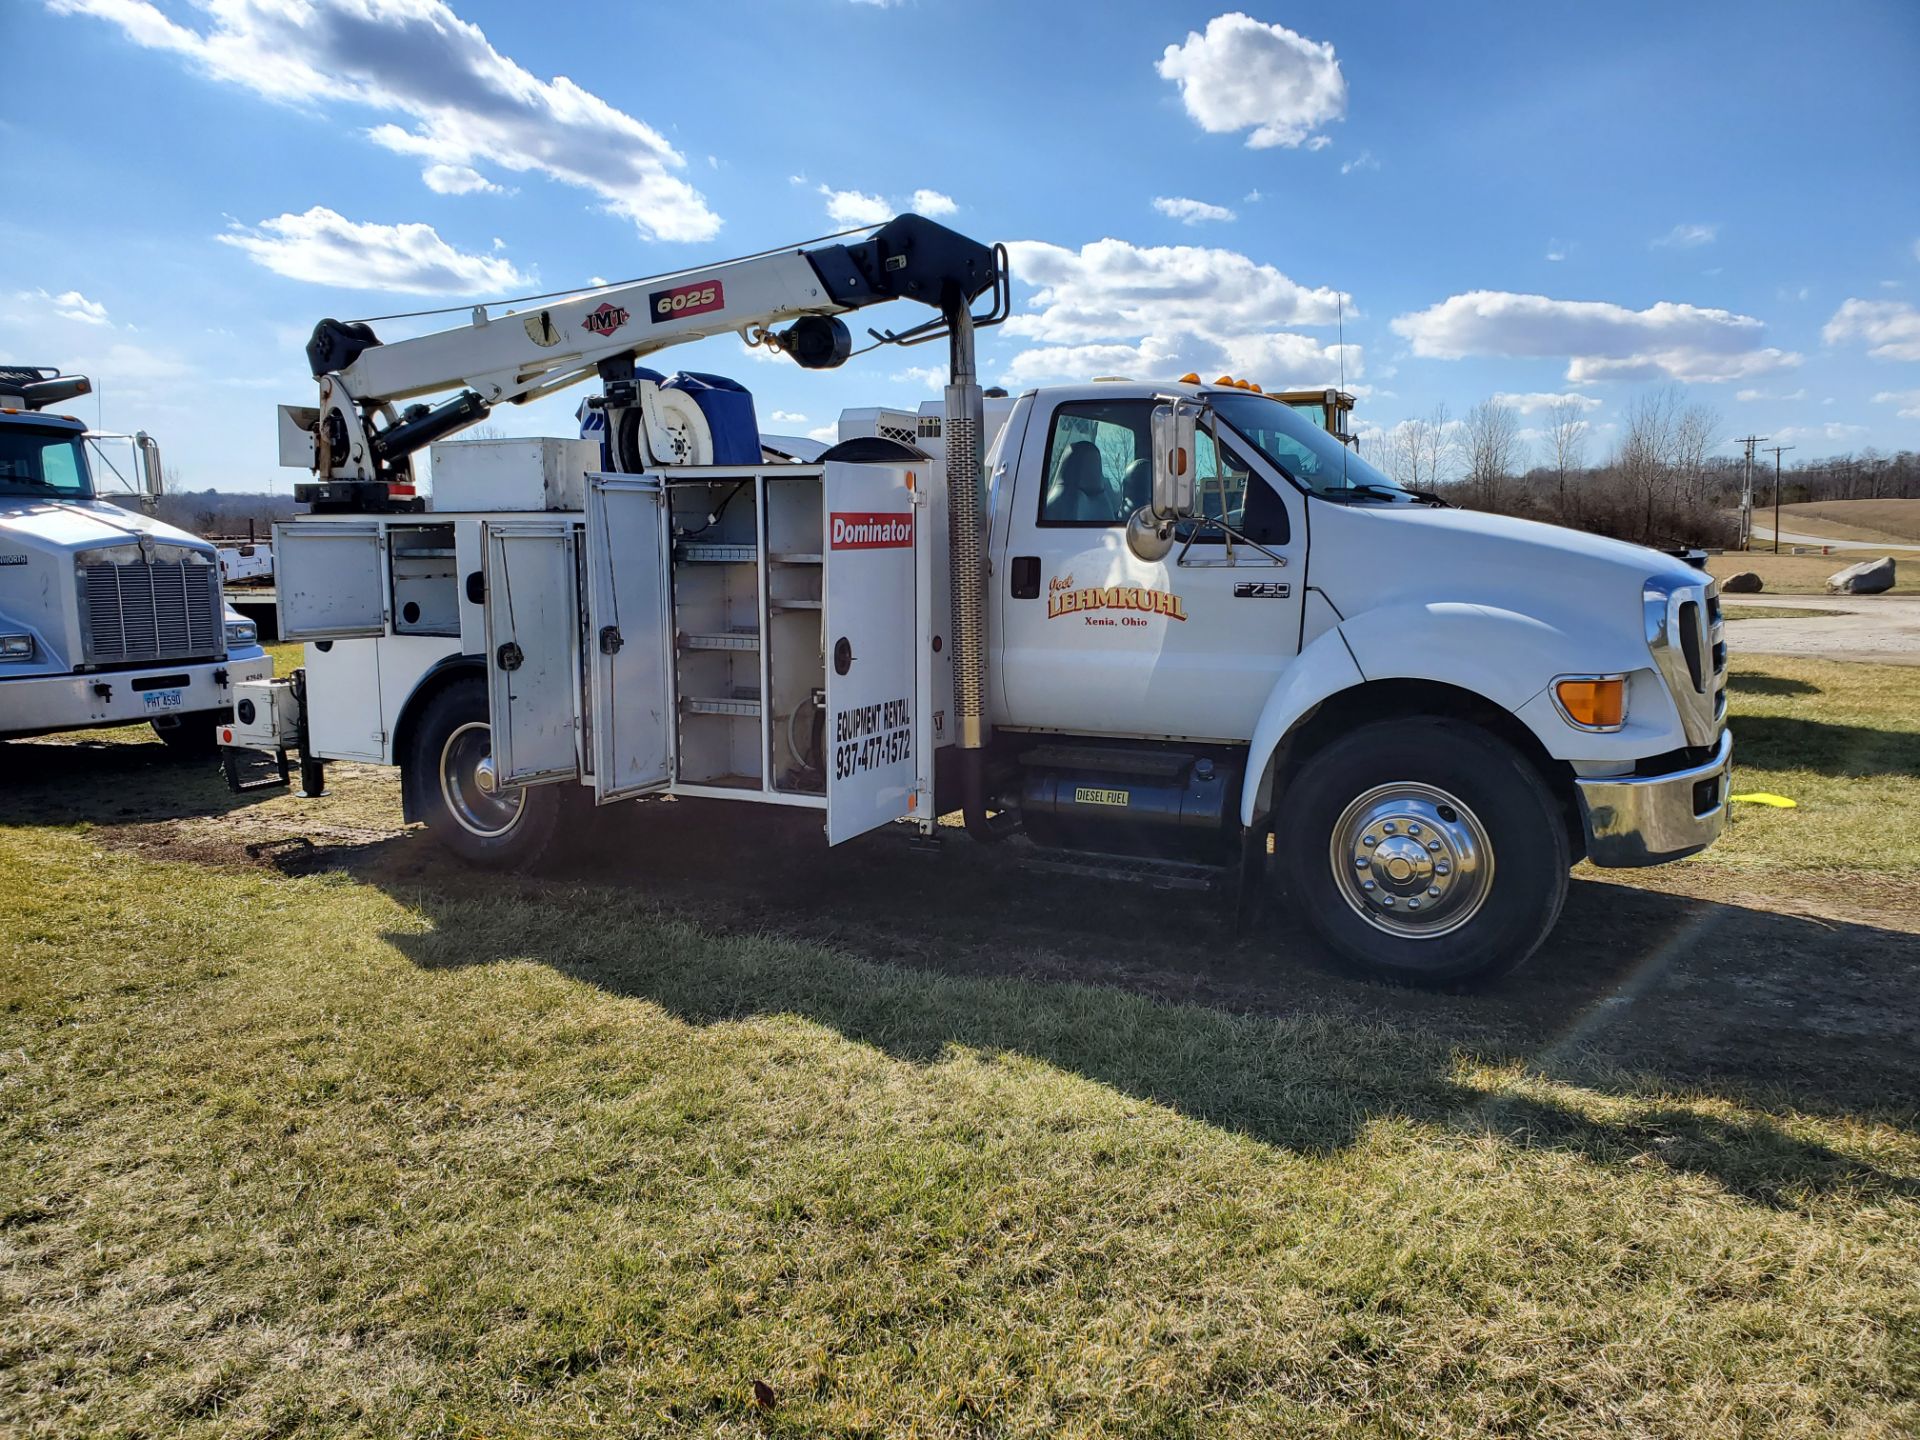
pixel 1476 852
pixel 510 829
pixel 194 736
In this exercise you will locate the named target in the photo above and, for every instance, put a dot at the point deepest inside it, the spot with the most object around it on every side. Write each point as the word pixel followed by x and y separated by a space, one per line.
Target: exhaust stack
pixel 967 551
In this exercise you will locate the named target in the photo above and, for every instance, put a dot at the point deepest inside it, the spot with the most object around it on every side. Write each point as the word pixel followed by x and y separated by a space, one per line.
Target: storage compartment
pixel 796 660
pixel 538 474
pixel 426 591
pixel 716 625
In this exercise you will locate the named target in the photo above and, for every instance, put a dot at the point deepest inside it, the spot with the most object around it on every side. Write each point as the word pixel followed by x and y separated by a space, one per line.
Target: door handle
pixel 1026 577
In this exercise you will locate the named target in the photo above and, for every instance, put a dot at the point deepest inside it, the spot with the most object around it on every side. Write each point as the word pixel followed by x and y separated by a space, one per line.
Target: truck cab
pixel 107 616
pixel 1425 713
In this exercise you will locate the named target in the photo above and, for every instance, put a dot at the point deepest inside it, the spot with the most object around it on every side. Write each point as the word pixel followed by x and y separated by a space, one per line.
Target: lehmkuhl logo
pixel 871 532
pixel 607 319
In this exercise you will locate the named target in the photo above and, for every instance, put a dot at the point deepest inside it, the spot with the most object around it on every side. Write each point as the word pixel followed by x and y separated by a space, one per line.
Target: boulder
pixel 1869 577
pixel 1745 583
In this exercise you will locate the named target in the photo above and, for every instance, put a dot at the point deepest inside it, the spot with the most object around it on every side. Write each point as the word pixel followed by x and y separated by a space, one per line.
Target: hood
pixel 1369 555
pixel 71 525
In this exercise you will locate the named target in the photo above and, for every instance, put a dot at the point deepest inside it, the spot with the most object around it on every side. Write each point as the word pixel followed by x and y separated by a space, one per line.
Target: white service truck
pixel 1160 624
pixel 107 617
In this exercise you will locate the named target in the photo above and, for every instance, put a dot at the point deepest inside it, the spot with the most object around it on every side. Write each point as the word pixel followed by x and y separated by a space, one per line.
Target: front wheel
pixel 1424 851
pixel 449 778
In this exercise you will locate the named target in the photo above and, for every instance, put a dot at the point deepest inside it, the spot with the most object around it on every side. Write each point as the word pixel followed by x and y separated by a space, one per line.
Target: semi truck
pixel 1152 624
pixel 107 616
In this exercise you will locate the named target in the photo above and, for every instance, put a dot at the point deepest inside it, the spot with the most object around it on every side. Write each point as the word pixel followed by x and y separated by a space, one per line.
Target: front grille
pixel 138 607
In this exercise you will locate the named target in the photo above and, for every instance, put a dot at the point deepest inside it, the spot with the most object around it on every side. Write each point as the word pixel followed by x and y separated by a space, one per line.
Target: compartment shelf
pixel 741 637
pixel 796 604
pixel 796 558
pixel 713 553
pixel 746 703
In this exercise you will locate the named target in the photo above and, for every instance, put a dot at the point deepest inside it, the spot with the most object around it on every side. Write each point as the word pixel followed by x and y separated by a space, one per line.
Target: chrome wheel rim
pixel 1411 860
pixel 477 804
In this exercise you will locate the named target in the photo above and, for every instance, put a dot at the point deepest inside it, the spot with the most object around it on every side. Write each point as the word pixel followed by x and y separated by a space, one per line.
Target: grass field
pixel 1807 574
pixel 305 1132
pixel 1894 521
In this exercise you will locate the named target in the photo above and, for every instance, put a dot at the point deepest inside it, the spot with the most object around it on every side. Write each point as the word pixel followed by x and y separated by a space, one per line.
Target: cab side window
pixel 1099 462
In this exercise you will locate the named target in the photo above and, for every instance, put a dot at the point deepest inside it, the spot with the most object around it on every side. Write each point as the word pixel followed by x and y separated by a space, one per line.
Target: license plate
pixel 159 702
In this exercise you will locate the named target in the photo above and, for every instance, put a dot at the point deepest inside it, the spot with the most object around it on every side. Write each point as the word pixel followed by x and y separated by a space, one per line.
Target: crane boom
pixel 359 442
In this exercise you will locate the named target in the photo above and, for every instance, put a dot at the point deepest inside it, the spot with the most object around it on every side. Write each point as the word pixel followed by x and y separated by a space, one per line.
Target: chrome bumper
pixel 1651 819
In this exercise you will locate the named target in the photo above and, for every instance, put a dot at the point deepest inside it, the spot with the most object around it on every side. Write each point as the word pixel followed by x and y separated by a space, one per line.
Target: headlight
pixel 16 647
pixel 241 632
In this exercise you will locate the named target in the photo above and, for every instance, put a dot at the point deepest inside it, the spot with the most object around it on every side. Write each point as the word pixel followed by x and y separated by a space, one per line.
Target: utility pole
pixel 1776 495
pixel 1746 493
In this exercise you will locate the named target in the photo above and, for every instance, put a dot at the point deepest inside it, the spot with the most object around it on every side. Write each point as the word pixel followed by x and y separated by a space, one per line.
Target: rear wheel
pixel 450 782
pixel 1424 851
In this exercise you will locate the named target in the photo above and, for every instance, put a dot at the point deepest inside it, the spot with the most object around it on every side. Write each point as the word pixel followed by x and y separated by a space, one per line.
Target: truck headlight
pixel 16 647
pixel 241 632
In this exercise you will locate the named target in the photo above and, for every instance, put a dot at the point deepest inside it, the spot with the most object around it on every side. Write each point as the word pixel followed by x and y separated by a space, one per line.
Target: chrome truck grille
pixel 147 602
pixel 1688 641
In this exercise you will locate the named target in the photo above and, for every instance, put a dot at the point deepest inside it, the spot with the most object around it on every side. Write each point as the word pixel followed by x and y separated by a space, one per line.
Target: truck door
pixel 872 622
pixel 627 637
pixel 330 580
pixel 1094 640
pixel 533 657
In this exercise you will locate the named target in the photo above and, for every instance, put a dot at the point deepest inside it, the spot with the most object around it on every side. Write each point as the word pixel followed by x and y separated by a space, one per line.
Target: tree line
pixel 1663 481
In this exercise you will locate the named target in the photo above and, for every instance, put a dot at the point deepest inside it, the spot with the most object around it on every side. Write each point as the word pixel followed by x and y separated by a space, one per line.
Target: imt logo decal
pixel 684 300
pixel 607 319
pixel 1132 601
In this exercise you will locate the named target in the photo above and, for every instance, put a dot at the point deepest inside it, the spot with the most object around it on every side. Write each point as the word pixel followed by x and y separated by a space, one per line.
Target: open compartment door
pixel 627 637
pixel 330 579
pixel 870 635
pixel 533 657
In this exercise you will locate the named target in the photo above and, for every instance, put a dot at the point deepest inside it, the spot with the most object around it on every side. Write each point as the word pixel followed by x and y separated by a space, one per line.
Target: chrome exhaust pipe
pixel 965 420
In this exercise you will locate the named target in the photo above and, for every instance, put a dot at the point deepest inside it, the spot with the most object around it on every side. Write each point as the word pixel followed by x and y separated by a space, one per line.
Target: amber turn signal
pixel 1595 702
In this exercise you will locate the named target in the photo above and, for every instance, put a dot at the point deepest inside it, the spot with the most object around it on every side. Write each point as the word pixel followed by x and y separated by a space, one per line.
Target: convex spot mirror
pixel 1175 428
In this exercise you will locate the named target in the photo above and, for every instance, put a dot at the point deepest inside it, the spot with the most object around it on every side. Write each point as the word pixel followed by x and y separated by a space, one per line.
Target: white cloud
pixel 1116 308
pixel 1833 432
pixel 1535 400
pixel 1319 142
pixel 458 180
pixel 1799 394
pixel 325 248
pixel 1889 328
pixel 788 417
pixel 464 101
pixel 1557 249
pixel 1252 197
pixel 1686 237
pixel 856 207
pixel 933 377
pixel 1363 161
pixel 1191 212
pixel 1601 341
pixel 851 207
pixel 1243 75
pixel 1794 292
pixel 72 305
pixel 825 434
pixel 1907 400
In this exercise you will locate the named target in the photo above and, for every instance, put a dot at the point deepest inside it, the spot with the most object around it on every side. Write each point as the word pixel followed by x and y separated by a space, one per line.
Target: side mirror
pixel 152 485
pixel 1150 528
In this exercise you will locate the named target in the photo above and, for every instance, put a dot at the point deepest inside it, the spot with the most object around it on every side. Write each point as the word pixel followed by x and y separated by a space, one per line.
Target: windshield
pixel 48 464
pixel 1307 454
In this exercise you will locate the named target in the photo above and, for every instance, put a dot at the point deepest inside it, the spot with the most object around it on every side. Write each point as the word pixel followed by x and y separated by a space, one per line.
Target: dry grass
pixel 1894 521
pixel 1806 574
pixel 355 1145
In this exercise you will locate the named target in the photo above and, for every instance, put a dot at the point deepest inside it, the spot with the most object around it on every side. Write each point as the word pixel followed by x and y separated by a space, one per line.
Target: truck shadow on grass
pixel 1778 742
pixel 107 782
pixel 1654 1027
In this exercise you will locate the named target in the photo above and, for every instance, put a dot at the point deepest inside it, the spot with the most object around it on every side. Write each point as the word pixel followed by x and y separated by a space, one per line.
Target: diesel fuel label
pixel 867 737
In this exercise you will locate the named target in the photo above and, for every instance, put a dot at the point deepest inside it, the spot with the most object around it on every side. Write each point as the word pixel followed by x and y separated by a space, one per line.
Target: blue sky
pixel 1530 200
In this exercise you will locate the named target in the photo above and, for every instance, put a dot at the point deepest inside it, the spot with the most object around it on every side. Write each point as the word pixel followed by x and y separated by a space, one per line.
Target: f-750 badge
pixel 1261 590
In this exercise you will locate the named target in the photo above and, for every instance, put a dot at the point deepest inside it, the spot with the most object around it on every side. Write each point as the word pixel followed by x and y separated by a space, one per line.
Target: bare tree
pixel 1693 433
pixel 1566 440
pixel 1494 450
